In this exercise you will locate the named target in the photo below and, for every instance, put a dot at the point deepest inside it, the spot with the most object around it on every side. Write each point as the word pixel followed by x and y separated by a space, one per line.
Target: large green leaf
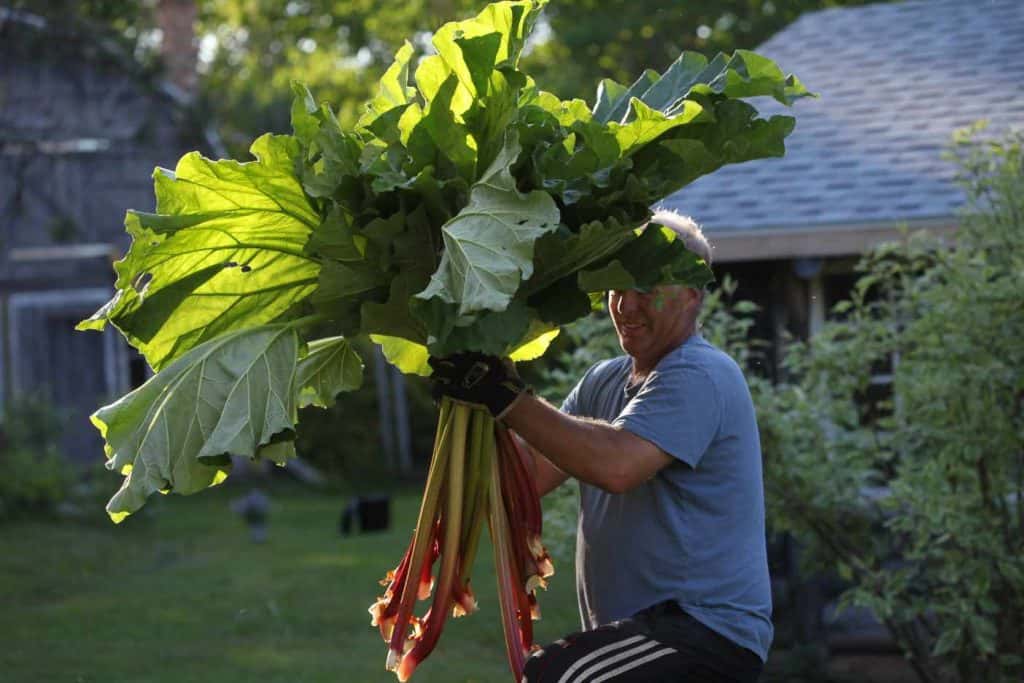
pixel 442 130
pixel 744 74
pixel 618 109
pixel 562 254
pixel 229 396
pixel 733 135
pixel 748 74
pixel 393 89
pixel 306 114
pixel 394 317
pixel 538 339
pixel 489 244
pixel 474 48
pixel 335 238
pixel 650 124
pixel 345 281
pixel 608 94
pixel 342 291
pixel 330 367
pixel 409 357
pixel 223 252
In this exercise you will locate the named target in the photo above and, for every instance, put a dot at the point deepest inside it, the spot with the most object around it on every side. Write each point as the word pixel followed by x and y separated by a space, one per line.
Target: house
pixel 866 158
pixel 81 128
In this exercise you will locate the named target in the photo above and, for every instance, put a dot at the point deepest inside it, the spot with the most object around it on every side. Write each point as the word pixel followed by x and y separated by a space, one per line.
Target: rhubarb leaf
pixel 489 244
pixel 409 357
pixel 229 396
pixel 744 74
pixel 393 90
pixel 535 347
pixel 650 124
pixel 223 252
pixel 656 257
pixel 562 254
pixel 748 74
pixel 330 367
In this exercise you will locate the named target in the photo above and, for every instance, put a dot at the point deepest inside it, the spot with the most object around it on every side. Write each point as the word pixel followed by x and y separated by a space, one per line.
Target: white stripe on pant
pixel 631 665
pixel 641 644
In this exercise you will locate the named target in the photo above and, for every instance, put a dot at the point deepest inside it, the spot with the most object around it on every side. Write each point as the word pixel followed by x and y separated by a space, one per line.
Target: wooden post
pixel 402 428
pixel 382 378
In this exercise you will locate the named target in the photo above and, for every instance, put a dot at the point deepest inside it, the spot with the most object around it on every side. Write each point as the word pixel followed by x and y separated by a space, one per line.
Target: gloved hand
pixel 477 378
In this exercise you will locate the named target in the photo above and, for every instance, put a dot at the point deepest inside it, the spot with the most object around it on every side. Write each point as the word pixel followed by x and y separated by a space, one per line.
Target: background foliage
pixel 252 49
pixel 917 500
pixel 35 477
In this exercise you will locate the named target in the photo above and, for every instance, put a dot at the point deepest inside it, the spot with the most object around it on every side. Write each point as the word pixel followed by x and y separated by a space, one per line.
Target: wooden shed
pixel 82 127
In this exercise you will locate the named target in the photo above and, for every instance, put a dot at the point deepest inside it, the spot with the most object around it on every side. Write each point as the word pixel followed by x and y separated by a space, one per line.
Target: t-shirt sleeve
pixel 678 409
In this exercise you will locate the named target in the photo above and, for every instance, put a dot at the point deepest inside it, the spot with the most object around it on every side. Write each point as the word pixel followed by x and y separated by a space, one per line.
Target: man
pixel 671 564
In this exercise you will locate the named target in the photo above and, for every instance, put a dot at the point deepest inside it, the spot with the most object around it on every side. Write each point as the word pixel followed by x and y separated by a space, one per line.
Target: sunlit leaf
pixel 229 396
pixel 223 252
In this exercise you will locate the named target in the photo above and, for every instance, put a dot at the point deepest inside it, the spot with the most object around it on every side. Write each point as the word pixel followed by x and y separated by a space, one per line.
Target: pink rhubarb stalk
pixel 423 643
pixel 423 542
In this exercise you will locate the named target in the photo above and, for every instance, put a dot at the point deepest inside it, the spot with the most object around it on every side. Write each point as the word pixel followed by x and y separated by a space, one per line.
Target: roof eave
pixel 849 239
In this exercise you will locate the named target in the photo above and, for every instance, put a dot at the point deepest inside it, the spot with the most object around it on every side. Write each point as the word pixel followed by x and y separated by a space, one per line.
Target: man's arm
pixel 546 476
pixel 597 453
pixel 594 452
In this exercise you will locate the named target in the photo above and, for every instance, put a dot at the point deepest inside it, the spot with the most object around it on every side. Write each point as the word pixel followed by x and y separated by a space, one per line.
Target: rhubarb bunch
pixel 478 472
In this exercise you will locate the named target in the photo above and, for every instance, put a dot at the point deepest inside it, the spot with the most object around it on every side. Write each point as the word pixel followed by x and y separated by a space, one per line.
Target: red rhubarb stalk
pixel 509 584
pixel 433 624
pixel 448 432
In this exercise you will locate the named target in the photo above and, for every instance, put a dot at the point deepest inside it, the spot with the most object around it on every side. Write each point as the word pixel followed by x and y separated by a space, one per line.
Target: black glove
pixel 477 378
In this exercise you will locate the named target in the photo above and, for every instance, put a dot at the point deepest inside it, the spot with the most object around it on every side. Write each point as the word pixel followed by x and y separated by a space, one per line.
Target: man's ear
pixel 696 296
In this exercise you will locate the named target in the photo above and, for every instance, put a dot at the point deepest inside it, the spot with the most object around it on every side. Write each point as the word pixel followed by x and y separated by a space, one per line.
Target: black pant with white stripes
pixel 659 644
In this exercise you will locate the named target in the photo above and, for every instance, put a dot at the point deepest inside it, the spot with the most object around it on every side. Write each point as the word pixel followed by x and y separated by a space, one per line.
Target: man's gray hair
pixel 687 229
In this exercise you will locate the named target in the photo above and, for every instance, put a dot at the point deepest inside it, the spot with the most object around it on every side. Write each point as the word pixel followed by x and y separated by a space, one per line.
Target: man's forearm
pixel 593 452
pixel 546 477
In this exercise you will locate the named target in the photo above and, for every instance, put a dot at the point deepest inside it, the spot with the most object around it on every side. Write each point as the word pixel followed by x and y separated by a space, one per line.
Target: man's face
pixel 650 324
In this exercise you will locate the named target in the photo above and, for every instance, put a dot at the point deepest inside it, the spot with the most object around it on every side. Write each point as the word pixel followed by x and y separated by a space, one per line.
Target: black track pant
pixel 659 644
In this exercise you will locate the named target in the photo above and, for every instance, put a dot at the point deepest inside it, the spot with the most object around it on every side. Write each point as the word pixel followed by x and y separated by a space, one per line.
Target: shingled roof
pixel 895 80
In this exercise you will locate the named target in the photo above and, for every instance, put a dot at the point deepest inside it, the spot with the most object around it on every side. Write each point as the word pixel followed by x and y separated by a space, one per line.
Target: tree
pixel 252 49
pixel 595 39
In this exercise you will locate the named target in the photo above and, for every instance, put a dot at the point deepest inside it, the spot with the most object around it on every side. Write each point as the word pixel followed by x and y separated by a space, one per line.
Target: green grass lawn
pixel 178 593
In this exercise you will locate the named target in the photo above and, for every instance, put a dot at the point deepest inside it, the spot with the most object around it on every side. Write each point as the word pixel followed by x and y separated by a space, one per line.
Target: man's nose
pixel 627 302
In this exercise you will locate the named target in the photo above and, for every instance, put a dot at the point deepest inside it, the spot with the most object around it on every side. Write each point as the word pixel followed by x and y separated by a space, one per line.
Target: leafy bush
pixel 917 500
pixel 36 476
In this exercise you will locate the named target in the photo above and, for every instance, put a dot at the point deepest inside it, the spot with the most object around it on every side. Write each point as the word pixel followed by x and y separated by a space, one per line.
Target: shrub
pixel 916 500
pixel 36 476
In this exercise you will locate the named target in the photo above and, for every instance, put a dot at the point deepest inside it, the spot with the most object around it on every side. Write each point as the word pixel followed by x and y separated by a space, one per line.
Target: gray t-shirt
pixel 695 532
